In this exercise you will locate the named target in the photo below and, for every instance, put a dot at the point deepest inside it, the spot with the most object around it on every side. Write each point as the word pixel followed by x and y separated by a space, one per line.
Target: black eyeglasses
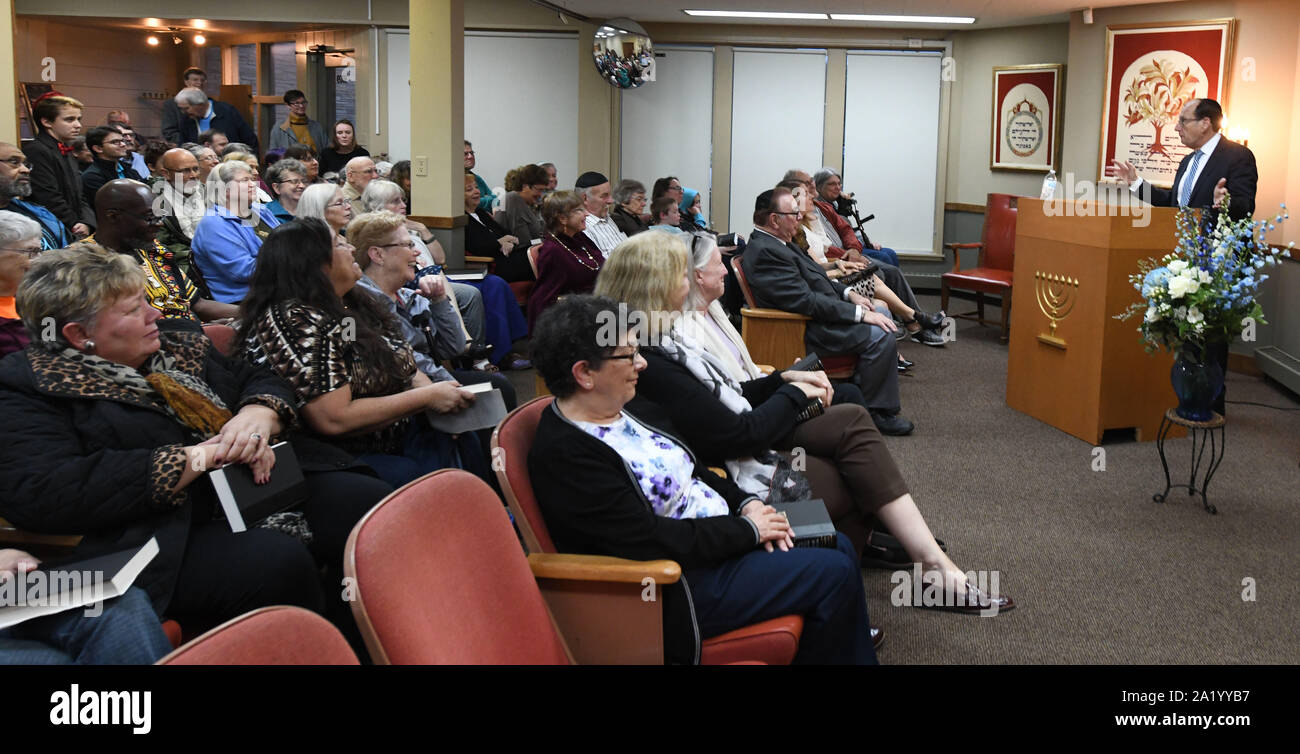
pixel 302 102
pixel 629 356
pixel 18 162
pixel 794 214
pixel 31 253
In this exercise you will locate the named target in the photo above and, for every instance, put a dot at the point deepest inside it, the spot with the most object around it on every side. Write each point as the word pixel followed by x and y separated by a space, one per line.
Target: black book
pixel 71 583
pixel 247 503
pixel 814 407
pixel 487 410
pixel 810 521
pixel 810 363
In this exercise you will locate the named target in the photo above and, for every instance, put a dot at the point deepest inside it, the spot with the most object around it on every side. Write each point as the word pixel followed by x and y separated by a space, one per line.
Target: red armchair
pixel 992 273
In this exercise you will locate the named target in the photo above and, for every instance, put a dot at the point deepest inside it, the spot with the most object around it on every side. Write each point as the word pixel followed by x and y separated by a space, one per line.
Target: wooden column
pixel 438 122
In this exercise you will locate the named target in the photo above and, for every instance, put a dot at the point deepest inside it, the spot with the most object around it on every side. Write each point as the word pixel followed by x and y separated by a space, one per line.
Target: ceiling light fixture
pixel 757 14
pixel 152 40
pixel 200 40
pixel 902 19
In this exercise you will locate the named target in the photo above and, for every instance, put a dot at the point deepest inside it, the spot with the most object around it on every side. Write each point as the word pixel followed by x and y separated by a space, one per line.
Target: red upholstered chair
pixel 992 273
pixel 602 613
pixel 440 579
pixel 521 288
pixel 776 337
pixel 222 337
pixel 279 635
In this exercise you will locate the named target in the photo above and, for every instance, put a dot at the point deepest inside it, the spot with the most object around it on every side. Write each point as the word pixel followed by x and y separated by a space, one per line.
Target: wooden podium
pixel 1071 364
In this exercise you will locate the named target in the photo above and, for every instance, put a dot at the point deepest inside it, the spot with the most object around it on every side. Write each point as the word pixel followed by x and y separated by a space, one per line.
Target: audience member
pixel 612 479
pixel 287 179
pixel 701 375
pixel 668 186
pixel 665 215
pixel 250 159
pixel 272 156
pixel 351 370
pixel 230 235
pixel 16 187
pixel 401 175
pixel 568 259
pixel 834 204
pixel 56 175
pixel 20 243
pixel 126 632
pixel 485 237
pixel 184 205
pixel 121 119
pixel 206 114
pixel 109 148
pixel 82 152
pixel 382 167
pixel 692 212
pixel 129 226
pixel 341 149
pixel 594 189
pixel 629 203
pixel 307 156
pixel 207 161
pixel 360 171
pixel 297 128
pixel 552 177
pixel 487 198
pixel 115 421
pixel 525 187
pixel 172 117
pixel 216 140
pixel 842 321
pixel 153 154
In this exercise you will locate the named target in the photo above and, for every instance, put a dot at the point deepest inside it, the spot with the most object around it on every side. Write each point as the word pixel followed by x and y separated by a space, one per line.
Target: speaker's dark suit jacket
pixel 1228 160
pixel 227 120
pixel 783 277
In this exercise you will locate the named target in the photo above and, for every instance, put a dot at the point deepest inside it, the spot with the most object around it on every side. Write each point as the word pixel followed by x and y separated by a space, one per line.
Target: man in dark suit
pixel 784 277
pixel 210 115
pixel 1215 166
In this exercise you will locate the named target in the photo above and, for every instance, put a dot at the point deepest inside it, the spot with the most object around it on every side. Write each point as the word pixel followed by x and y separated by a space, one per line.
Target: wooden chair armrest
pixel 478 260
pixel 956 252
pixel 765 368
pixel 772 314
pixel 12 536
pixel 567 566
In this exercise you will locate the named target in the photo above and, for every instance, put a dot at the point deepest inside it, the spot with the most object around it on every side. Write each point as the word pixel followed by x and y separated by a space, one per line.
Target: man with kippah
pixel 597 198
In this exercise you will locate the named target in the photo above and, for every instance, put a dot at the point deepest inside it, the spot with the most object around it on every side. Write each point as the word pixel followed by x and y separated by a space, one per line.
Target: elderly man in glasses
pixel 16 187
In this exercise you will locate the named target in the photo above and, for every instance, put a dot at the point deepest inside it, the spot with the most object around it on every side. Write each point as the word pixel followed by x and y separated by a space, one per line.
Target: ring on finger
pixel 256 436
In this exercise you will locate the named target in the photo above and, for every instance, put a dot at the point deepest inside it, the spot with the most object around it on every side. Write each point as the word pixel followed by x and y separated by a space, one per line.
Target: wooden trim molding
pixel 443 223
pixel 963 207
pixel 1243 363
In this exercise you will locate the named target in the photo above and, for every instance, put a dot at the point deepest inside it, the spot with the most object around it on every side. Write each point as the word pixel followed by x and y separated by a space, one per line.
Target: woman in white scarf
pixel 842 453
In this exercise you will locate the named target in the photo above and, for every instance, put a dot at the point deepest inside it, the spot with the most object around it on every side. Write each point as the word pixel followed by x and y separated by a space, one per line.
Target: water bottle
pixel 1049 186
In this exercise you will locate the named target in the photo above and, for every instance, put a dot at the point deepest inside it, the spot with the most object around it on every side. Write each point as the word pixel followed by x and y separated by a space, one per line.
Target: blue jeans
pixel 821 584
pixel 884 254
pixel 127 632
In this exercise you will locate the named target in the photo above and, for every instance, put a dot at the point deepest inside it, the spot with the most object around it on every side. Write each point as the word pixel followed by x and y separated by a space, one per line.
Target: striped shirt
pixel 604 233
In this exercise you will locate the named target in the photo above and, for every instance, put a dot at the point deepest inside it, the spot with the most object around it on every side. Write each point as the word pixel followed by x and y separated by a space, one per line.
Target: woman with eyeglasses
pixel 229 237
pixel 20 243
pixel 568 260
pixel 307 156
pixel 525 187
pixel 629 203
pixel 288 180
pixel 345 355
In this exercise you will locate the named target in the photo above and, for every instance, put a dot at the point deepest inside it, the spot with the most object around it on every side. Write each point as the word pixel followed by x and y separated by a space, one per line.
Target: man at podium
pixel 1215 166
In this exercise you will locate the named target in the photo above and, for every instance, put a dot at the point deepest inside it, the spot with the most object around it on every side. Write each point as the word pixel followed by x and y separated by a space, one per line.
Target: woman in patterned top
pixel 345 356
pixel 611 478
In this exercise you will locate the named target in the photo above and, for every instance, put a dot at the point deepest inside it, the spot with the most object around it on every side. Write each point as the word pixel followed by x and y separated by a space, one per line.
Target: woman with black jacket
pixel 110 425
pixel 611 481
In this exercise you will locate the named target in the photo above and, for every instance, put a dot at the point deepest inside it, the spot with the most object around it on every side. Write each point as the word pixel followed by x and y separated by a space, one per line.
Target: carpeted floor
pixel 1100 572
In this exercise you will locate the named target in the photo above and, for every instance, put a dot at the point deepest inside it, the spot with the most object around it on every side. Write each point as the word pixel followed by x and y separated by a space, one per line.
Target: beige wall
pixel 90 66
pixel 975 54
pixel 1266 31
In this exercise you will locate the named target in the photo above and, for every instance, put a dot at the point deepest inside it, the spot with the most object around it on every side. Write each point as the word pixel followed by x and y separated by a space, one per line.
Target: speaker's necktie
pixel 1189 178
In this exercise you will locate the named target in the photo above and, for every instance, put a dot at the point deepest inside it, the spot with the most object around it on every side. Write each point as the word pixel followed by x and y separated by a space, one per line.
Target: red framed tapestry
pixel 1026 117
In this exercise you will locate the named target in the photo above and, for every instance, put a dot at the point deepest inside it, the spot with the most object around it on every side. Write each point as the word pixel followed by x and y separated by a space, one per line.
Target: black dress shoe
pixel 927 337
pixel 929 321
pixel 976 602
pixel 877 637
pixel 904 363
pixel 891 424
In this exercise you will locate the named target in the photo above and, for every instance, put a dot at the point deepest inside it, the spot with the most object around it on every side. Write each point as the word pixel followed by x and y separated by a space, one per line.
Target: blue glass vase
pixel 1197 381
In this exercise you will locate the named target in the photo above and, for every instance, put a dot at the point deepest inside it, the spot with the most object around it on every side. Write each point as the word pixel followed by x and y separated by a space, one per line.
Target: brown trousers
pixel 849 466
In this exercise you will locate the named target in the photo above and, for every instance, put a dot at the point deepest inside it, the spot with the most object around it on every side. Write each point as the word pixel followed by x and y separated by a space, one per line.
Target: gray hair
pixel 378 193
pixel 74 285
pixel 315 198
pixel 792 175
pixel 190 96
pixel 236 147
pixel 700 249
pixel 822 176
pixel 627 188
pixel 382 167
pixel 281 168
pixel 16 228
pixel 221 176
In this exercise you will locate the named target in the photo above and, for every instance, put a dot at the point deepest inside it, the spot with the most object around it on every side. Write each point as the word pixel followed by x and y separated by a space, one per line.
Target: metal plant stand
pixel 1203 433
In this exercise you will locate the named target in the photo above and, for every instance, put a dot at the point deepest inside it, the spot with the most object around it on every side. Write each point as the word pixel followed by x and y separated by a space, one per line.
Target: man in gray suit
pixel 843 322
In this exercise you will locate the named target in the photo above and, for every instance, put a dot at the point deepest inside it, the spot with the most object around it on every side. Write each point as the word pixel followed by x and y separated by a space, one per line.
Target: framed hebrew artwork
pixel 1026 117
